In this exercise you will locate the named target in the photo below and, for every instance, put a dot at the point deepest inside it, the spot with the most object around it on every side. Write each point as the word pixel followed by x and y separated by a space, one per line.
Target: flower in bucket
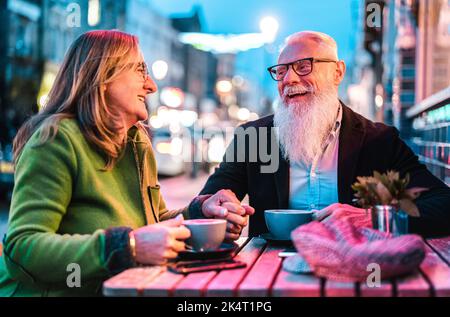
pixel 387 189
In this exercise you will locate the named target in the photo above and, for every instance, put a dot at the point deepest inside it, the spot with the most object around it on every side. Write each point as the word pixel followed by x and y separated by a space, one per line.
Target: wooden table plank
pixel 137 281
pixel 413 285
pixel 132 281
pixel 340 289
pixel 163 285
pixel 227 281
pixel 264 271
pixel 259 280
pixel 386 289
pixel 441 246
pixel 296 285
pixel 194 284
pixel 437 272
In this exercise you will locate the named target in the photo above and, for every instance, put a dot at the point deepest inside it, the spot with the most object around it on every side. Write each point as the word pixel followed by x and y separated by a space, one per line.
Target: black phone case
pixel 203 266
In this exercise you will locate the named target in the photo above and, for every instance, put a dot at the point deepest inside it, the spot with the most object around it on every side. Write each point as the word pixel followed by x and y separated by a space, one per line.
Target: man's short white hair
pixel 323 40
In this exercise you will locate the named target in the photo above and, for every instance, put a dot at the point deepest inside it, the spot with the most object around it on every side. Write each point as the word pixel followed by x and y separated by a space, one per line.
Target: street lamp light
pixel 172 96
pixel 159 69
pixel 243 114
pixel 224 86
pixel 269 28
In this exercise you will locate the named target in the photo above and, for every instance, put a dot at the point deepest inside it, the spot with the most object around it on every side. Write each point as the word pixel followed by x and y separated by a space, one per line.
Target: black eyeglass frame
pixel 312 60
pixel 145 71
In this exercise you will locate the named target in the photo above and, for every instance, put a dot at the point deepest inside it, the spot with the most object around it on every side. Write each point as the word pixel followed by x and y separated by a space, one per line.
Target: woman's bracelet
pixel 132 244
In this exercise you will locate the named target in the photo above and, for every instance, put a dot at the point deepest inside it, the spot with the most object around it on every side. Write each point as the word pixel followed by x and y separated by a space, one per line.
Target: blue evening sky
pixel 337 18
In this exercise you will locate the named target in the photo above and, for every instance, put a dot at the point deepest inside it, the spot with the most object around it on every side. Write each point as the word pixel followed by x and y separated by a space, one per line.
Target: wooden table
pixel 263 276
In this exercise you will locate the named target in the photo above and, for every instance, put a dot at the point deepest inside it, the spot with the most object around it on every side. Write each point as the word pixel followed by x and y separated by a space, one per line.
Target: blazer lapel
pixel 351 137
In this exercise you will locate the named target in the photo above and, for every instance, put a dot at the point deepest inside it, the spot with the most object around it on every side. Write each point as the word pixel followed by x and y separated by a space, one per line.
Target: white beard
pixel 304 127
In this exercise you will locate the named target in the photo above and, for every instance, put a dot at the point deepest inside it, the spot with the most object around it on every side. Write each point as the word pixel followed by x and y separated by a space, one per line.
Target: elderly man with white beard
pixel 322 146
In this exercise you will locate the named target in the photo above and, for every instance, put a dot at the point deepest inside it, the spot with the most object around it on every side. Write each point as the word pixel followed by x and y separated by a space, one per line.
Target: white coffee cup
pixel 206 234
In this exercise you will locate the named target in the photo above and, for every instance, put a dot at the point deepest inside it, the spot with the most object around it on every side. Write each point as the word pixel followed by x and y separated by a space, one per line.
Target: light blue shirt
pixel 315 186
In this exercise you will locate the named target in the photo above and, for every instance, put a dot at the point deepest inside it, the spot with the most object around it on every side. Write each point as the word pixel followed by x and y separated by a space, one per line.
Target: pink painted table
pixel 263 276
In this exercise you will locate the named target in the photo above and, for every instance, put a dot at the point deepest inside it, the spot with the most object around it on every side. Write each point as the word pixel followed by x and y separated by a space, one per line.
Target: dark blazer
pixel 364 147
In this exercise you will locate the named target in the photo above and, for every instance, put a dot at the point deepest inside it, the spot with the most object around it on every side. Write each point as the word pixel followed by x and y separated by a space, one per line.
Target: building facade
pixel 200 68
pixel 433 51
pixel 402 74
pixel 399 63
pixel 430 116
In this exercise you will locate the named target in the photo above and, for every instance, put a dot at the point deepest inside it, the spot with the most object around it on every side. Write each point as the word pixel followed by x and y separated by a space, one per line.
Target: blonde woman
pixel 86 192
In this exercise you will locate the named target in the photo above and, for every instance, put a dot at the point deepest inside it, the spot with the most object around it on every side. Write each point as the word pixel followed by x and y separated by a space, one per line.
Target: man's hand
pixel 357 216
pixel 225 205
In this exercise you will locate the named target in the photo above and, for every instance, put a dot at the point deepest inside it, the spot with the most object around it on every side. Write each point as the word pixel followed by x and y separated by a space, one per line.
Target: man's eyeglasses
pixel 301 67
pixel 143 69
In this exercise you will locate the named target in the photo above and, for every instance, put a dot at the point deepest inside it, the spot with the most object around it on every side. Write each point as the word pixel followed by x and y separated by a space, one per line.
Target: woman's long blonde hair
pixel 95 59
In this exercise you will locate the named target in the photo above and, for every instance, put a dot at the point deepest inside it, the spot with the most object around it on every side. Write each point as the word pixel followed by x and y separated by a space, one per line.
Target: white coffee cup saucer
pixel 224 250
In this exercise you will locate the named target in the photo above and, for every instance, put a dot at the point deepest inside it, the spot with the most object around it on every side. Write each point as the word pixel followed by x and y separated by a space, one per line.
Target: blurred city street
pixel 178 191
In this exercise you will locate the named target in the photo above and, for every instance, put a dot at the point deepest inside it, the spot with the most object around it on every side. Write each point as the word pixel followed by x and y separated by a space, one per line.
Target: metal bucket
pixel 386 218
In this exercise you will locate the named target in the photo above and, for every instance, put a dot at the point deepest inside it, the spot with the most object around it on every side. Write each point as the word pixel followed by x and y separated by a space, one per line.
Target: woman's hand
pixel 157 243
pixel 225 205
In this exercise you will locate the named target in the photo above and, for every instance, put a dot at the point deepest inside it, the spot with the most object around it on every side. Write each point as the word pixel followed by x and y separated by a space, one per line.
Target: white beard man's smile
pixel 295 93
pixel 304 120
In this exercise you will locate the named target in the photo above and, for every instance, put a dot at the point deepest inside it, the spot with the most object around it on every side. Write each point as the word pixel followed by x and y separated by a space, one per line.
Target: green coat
pixel 61 205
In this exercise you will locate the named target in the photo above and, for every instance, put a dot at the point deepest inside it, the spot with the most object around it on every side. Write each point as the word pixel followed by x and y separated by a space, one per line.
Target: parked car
pixel 214 146
pixel 168 148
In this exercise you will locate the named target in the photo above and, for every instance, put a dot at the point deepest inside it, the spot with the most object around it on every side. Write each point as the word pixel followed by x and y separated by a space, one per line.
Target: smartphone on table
pixel 203 266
